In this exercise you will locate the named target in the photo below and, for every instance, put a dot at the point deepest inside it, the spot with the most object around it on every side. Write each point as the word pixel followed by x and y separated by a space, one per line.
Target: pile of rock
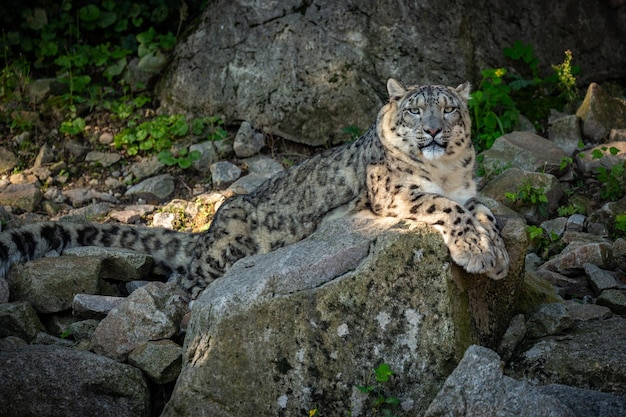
pixel 302 327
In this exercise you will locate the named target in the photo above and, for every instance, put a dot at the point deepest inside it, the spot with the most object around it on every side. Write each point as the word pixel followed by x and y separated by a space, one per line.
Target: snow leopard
pixel 415 162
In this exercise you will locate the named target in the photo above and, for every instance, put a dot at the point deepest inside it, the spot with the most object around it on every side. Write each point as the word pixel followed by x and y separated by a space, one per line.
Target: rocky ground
pixel 568 339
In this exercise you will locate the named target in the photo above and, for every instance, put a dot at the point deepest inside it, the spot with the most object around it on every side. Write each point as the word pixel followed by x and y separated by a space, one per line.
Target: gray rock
pixel 307 322
pixel 478 388
pixel 564 131
pixel 526 151
pixel 92 306
pixel 55 381
pixel 247 184
pixel 146 167
pixel 613 299
pixel 43 338
pixel 263 165
pixel 511 180
pixel 273 74
pixel 573 258
pixel 211 152
pixel 247 141
pixel 582 311
pixel 554 226
pixel 19 319
pixel 83 330
pixel 576 223
pixel 600 113
pixel 24 197
pixel 588 164
pixel 8 160
pixel 152 312
pixel 548 319
pixel 154 189
pixel 45 156
pixel 161 360
pixel 512 337
pixel 49 284
pixel 599 279
pixel 587 403
pixel 105 159
pixel 117 264
pixel 224 173
pixel 591 356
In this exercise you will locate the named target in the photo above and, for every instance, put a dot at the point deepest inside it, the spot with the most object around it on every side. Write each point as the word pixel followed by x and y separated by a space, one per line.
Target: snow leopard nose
pixel 432 131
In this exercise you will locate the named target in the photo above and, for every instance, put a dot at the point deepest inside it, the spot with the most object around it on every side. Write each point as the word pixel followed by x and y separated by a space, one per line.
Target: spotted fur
pixel 415 162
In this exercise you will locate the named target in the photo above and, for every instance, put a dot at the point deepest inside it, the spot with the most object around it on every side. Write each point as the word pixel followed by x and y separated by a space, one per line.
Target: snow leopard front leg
pixel 471 245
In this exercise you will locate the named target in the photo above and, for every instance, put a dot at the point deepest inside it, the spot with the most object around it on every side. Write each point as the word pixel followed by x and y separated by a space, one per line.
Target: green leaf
pixel 184 163
pixel 383 372
pixel 89 13
pixel 106 19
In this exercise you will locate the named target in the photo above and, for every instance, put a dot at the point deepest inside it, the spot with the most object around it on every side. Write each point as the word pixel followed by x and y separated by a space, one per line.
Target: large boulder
pixel 51 381
pixel 307 69
pixel 306 324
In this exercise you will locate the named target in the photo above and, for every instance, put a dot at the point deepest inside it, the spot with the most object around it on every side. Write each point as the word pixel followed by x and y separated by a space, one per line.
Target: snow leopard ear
pixel 464 90
pixel 395 89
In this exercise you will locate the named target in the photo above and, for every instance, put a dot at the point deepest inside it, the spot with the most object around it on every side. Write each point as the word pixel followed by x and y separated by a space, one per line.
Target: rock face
pixel 307 323
pixel 53 381
pixel 305 69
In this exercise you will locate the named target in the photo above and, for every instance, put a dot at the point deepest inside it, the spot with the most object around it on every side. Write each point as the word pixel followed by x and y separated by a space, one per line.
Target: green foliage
pixel 540 240
pixel 503 95
pixel 566 211
pixel 492 108
pixel 527 194
pixel 352 131
pixel 380 401
pixel 620 223
pixel 157 135
pixel 612 180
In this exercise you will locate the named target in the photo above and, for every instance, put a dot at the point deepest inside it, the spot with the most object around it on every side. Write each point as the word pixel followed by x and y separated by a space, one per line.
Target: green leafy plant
pixel 352 131
pixel 540 240
pixel 620 223
pixel 503 94
pixel 183 157
pixel 381 402
pixel 528 194
pixel 570 209
pixel 493 110
pixel 612 180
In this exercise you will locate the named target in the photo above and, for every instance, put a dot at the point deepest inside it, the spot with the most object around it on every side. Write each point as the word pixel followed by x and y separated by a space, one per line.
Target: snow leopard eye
pixel 415 110
pixel 449 109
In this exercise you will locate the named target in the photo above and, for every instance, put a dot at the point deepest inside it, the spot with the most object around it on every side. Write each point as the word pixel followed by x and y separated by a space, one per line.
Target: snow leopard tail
pixel 172 251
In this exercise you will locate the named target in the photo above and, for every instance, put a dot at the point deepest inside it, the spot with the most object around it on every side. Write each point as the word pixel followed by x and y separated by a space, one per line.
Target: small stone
pixel 554 226
pixel 106 138
pixel 548 319
pixel 512 337
pixel 164 220
pixel 582 312
pixel 160 360
pixel 8 160
pixel 24 197
pixel 126 216
pixel 82 330
pixel 613 299
pixel 565 132
pixel 576 223
pixel 247 141
pixel 105 159
pixel 154 190
pixel 45 156
pixel 599 279
pixel 224 173
pixel 43 338
pixel 145 168
pixel 18 318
